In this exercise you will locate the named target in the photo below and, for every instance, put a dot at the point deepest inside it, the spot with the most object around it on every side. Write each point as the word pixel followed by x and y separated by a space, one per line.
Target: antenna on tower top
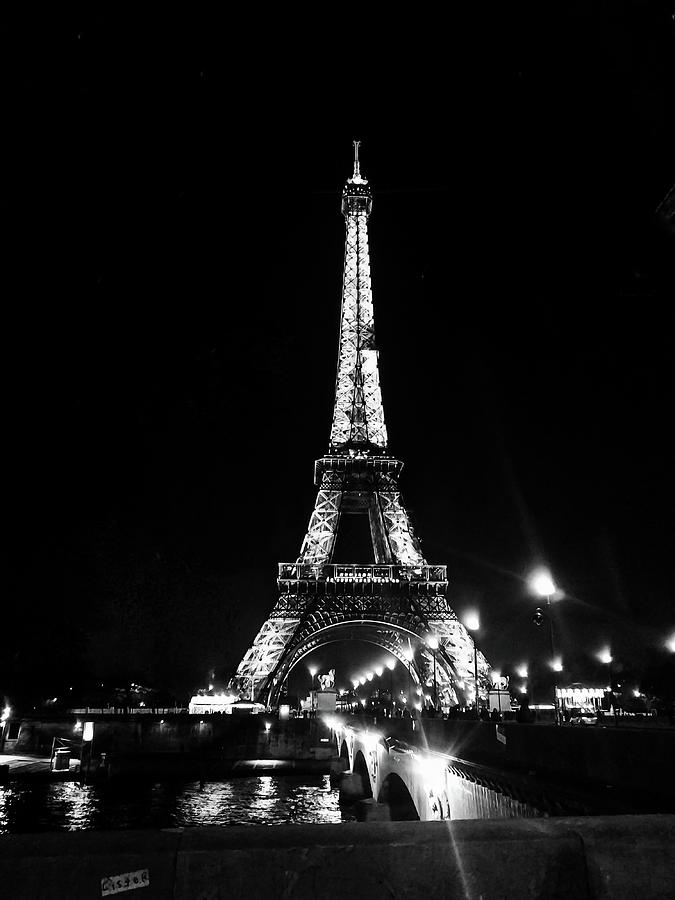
pixel 357 169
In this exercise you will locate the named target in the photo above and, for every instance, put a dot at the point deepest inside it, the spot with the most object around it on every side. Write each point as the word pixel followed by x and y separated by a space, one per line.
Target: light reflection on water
pixel 256 800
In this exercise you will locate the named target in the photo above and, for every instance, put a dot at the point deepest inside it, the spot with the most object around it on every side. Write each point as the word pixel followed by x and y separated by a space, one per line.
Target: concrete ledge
pixel 609 857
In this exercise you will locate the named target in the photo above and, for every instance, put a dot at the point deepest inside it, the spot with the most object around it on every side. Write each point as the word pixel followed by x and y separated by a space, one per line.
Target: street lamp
pixel 312 671
pixel 605 657
pixel 472 622
pixel 497 683
pixel 432 643
pixel 409 655
pixel 542 585
pixel 391 665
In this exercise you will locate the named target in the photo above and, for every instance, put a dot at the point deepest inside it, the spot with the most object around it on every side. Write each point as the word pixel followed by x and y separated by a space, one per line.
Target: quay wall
pixel 228 736
pixel 597 858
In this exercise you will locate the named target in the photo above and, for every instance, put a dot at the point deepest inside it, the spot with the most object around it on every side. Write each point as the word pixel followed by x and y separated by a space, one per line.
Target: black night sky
pixel 175 254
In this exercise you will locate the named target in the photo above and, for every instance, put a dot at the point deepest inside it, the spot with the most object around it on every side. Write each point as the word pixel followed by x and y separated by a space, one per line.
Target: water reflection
pixel 60 806
pixel 261 800
pixel 255 800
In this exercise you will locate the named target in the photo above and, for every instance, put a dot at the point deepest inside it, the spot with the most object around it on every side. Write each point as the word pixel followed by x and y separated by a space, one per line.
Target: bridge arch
pixel 395 794
pixel 345 762
pixel 361 774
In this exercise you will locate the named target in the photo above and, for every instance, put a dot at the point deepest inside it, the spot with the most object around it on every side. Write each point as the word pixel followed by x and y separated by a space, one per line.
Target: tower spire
pixel 357 168
pixel 358 416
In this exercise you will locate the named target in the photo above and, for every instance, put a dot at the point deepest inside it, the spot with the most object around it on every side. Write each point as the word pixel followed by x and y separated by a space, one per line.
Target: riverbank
pixel 202 767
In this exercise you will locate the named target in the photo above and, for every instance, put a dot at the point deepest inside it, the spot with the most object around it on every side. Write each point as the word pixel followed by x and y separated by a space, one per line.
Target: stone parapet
pixel 599 858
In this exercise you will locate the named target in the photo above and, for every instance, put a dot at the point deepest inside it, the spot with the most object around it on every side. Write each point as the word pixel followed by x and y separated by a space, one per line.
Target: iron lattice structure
pixel 398 602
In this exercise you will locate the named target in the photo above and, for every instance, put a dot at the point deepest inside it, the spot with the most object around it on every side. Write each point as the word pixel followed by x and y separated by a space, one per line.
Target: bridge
pixel 435 770
pixel 393 780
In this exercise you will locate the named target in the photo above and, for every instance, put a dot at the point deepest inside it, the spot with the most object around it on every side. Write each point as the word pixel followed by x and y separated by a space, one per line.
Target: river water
pixel 255 800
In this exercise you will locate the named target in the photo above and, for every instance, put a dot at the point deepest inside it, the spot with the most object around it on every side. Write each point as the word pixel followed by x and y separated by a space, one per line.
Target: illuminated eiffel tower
pixel 399 602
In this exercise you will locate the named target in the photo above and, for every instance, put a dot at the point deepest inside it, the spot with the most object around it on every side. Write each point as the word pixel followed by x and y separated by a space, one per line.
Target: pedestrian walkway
pixel 23 765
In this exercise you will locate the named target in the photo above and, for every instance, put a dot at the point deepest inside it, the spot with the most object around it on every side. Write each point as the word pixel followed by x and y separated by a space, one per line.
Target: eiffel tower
pixel 399 602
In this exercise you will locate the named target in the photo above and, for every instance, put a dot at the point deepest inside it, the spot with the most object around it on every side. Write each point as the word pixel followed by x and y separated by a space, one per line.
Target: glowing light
pixel 636 693
pixel 217 703
pixel 605 656
pixel 579 696
pixel 77 727
pixel 409 654
pixel 88 732
pixel 369 676
pixel 313 670
pixel 433 772
pixel 391 664
pixel 557 665
pixel 161 721
pixel 541 583
pixel 362 680
pixel 268 725
pixel 523 689
pixel 432 642
pixel 363 702
pixel 378 671
pixel 472 620
pixel 521 671
pixel 5 714
pixel 670 644
pixel 356 683
pixel 370 740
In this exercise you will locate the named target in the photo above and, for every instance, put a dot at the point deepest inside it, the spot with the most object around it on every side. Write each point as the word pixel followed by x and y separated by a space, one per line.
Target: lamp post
pixel 312 671
pixel 378 671
pixel 497 683
pixel 522 672
pixel 472 622
pixel 432 643
pixel 391 665
pixel 605 657
pixel 409 655
pixel 543 586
